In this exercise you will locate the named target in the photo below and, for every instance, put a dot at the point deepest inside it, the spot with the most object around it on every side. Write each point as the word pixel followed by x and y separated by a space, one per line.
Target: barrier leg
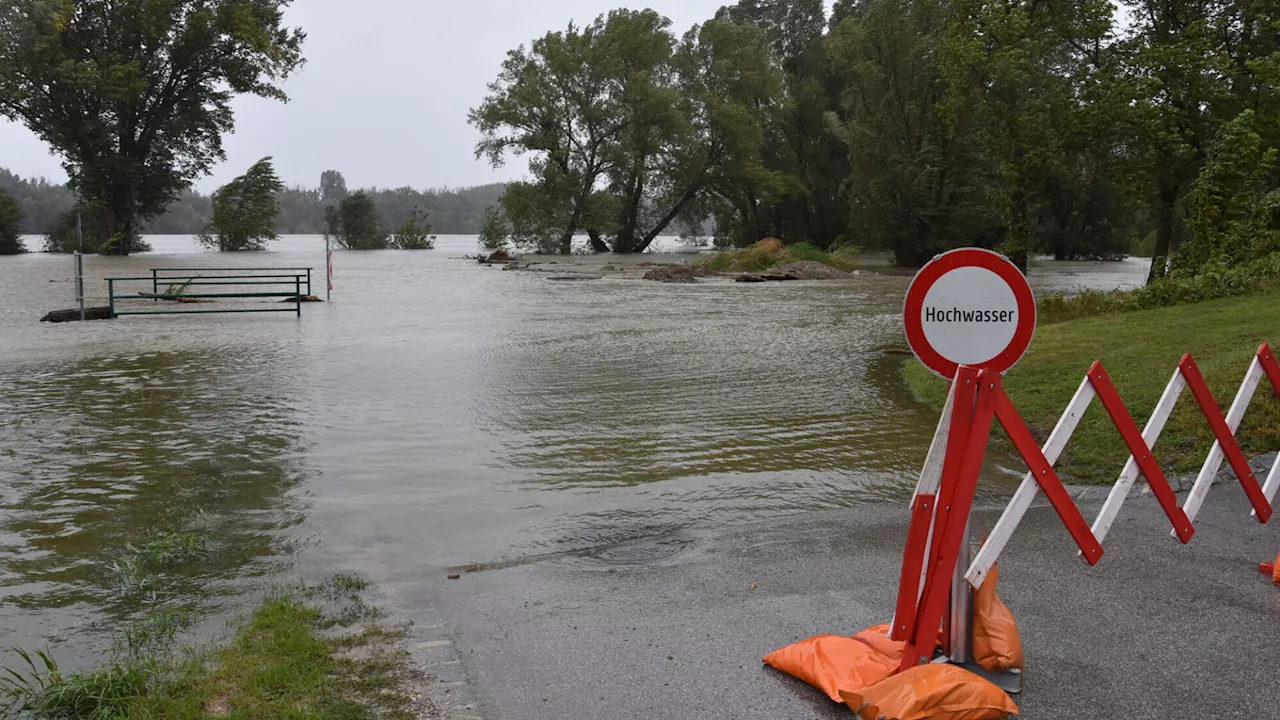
pixel 913 566
pixel 961 624
pixel 926 512
pixel 958 484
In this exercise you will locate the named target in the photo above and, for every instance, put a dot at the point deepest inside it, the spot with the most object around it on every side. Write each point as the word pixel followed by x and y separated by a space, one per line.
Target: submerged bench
pixel 265 284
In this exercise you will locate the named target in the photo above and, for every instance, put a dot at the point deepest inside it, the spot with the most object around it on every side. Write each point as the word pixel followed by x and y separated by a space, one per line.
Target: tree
pixel 1233 206
pixel 353 223
pixel 624 125
pixel 333 186
pixel 918 181
pixel 493 229
pixel 10 226
pixel 245 210
pixel 135 95
pixel 414 233
pixel 1013 63
pixel 1195 65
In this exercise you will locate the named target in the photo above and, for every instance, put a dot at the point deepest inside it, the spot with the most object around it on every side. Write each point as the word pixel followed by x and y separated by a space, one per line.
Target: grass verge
pixel 1140 350
pixel 308 654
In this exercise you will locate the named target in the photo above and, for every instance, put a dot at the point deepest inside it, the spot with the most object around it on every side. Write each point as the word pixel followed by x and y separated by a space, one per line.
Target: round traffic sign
pixel 969 307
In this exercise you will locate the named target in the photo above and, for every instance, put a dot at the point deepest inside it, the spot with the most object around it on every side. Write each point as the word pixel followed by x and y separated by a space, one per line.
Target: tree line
pixel 302 210
pixel 910 125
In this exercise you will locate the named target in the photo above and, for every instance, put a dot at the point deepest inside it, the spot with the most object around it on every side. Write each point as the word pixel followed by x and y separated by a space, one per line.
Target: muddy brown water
pixel 436 413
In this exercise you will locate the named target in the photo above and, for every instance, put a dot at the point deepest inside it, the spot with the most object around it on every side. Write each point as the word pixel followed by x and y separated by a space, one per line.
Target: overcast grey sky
pixel 385 91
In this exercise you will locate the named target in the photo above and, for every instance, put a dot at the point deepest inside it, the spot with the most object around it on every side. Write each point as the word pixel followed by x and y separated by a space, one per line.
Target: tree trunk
pixel 121 210
pixel 666 220
pixel 1165 209
pixel 597 244
pixel 1017 245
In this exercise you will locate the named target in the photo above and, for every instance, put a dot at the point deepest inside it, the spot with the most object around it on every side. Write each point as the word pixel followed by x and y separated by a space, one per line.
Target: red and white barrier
pixel 1142 460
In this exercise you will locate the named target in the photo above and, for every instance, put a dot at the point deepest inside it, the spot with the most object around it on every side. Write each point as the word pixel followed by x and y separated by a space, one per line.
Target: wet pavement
pixel 675 626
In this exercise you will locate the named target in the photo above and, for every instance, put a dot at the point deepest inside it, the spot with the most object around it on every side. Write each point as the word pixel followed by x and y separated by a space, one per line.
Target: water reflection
pixel 102 452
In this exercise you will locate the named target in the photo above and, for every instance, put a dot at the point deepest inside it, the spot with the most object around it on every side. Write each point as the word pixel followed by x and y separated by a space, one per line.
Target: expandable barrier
pixel 937 537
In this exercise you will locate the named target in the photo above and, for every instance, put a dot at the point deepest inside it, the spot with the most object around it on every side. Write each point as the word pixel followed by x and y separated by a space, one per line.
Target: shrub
pixel 414 233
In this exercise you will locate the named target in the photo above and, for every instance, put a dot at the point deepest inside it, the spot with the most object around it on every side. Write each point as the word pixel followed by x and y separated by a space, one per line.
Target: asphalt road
pixel 675 626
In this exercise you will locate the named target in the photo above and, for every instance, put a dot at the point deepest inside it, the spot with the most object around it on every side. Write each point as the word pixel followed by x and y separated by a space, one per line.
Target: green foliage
pixel 652 123
pixel 10 225
pixel 353 223
pixel 1233 207
pixel 494 231
pixel 770 253
pixel 414 233
pixel 168 72
pixel 1140 352
pixel 1208 282
pixel 245 210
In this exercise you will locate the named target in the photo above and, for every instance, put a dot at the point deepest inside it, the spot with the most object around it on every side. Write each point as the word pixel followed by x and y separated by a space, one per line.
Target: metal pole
pixel 328 270
pixel 297 294
pixel 111 297
pixel 962 606
pixel 79 267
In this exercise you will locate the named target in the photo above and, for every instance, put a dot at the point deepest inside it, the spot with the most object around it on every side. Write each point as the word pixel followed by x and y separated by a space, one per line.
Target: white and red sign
pixel 969 307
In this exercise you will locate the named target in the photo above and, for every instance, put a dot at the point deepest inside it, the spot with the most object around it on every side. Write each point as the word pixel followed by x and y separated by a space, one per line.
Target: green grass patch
pixel 285 662
pixel 1140 350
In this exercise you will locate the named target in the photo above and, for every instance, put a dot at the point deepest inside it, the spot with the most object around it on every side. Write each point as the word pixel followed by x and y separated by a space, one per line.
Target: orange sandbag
pixel 997 646
pixel 833 663
pixel 935 691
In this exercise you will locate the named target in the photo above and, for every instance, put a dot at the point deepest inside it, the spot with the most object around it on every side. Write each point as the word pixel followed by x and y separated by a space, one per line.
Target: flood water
pixel 435 413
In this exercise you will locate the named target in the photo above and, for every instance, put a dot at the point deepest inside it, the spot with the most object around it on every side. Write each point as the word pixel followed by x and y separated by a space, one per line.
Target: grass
pixel 1140 350
pixel 138 570
pixel 771 253
pixel 284 663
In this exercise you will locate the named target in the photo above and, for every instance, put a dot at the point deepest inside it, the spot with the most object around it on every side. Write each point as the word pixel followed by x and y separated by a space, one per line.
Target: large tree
pixel 918 182
pixel 135 95
pixel 626 125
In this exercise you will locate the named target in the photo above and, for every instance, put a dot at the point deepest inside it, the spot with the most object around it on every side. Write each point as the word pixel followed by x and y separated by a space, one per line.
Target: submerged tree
pixel 135 95
pixel 414 233
pixel 245 211
pixel 10 224
pixel 493 229
pixel 353 223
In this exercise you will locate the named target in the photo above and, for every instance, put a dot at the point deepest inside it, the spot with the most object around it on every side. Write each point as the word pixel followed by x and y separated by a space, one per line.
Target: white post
pixel 79 267
pixel 962 606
